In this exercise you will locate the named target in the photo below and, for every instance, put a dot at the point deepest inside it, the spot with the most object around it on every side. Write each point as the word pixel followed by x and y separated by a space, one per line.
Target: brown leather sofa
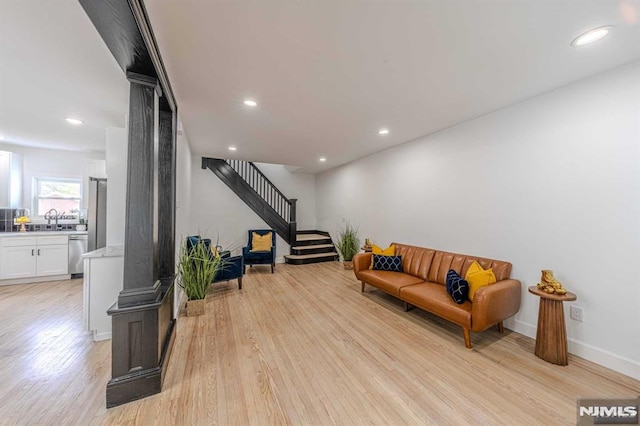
pixel 422 284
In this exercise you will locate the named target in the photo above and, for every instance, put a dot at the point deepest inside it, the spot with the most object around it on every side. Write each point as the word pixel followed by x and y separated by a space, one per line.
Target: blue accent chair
pixel 232 267
pixel 260 257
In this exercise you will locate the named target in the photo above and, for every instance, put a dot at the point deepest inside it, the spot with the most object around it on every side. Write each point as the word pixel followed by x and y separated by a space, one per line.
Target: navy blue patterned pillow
pixel 457 287
pixel 387 263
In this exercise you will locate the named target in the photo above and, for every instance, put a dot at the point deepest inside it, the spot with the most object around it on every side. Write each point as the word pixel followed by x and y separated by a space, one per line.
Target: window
pixel 64 195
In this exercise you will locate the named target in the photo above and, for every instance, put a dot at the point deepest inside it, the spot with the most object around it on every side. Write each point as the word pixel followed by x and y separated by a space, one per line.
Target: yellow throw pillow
pixel 474 268
pixel 261 242
pixel 389 251
pixel 478 278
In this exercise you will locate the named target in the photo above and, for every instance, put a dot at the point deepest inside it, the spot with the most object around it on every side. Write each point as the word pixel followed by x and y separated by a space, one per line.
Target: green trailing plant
pixel 348 244
pixel 196 269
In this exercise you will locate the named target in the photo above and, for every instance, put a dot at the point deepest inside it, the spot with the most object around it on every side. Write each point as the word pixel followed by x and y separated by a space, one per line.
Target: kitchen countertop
pixel 108 251
pixel 40 233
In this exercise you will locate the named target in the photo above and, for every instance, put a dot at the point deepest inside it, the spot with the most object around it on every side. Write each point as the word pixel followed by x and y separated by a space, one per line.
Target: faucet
pixel 48 216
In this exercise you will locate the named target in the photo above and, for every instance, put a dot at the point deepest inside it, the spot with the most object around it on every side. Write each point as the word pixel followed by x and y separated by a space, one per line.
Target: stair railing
pixel 285 207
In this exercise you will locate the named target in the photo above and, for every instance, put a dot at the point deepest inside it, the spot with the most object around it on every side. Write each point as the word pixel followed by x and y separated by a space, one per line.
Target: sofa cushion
pixel 433 297
pixel 457 287
pixel 415 260
pixel 387 263
pixel 388 281
pixel 443 261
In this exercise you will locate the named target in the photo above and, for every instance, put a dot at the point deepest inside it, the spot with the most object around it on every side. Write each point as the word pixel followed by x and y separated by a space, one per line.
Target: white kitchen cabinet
pixel 18 258
pixel 103 274
pixel 25 257
pixel 52 260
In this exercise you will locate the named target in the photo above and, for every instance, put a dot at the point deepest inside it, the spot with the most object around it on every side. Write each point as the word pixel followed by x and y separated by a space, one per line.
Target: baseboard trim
pixel 35 279
pixel 97 337
pixel 591 353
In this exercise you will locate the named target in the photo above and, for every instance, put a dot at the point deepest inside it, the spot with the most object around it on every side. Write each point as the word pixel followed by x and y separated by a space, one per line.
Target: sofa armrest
pixel 495 303
pixel 361 261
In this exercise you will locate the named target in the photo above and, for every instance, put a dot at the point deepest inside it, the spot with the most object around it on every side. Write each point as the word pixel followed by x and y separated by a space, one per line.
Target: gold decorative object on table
pixel 549 284
pixel 367 245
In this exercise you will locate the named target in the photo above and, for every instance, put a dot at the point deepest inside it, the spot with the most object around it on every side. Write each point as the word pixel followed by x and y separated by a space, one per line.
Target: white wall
pixel 40 162
pixel 116 146
pixel 184 225
pixel 218 213
pixel 549 183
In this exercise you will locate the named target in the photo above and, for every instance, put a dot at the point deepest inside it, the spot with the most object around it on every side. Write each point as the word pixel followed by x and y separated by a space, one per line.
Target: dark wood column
pixel 166 194
pixel 143 325
pixel 140 279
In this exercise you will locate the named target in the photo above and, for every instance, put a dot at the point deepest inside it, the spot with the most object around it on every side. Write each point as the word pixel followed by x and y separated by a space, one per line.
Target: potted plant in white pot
pixel 196 269
pixel 348 244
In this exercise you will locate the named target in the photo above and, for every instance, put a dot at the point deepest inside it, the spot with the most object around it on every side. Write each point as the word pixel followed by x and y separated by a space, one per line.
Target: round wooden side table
pixel 551 337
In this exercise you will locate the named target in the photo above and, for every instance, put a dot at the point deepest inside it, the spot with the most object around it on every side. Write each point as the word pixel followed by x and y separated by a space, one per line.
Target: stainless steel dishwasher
pixel 77 247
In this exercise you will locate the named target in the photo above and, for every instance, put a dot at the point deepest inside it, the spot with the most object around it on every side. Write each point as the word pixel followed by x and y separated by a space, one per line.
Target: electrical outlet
pixel 576 313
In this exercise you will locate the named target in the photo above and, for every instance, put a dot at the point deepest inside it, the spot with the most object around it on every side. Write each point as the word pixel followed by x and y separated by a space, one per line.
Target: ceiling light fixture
pixel 250 102
pixel 383 131
pixel 74 121
pixel 591 36
pixel 233 148
pixel 322 159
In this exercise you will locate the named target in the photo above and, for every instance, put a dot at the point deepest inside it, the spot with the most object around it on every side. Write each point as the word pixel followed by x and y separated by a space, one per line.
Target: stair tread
pixel 309 256
pixel 313 247
pixel 309 237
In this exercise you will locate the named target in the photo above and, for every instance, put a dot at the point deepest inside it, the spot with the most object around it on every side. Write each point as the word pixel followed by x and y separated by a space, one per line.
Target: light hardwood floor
pixel 301 346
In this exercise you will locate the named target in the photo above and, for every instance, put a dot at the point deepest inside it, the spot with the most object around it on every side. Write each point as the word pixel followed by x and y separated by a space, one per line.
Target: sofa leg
pixel 362 286
pixel 240 283
pixel 467 337
pixel 500 327
pixel 273 265
pixel 407 307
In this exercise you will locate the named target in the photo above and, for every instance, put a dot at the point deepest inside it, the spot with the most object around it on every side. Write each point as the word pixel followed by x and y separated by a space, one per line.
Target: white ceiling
pixel 327 73
pixel 53 64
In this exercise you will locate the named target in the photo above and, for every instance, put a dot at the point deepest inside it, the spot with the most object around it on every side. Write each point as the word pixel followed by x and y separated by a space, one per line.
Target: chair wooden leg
pixel 467 337
pixel 240 283
pixel 273 266
pixel 500 327
pixel 362 286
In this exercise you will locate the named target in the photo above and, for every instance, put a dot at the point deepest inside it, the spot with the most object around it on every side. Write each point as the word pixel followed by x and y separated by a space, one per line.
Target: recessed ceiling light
pixel 591 36
pixel 250 102
pixel 383 131
pixel 74 121
pixel 322 159
pixel 232 148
